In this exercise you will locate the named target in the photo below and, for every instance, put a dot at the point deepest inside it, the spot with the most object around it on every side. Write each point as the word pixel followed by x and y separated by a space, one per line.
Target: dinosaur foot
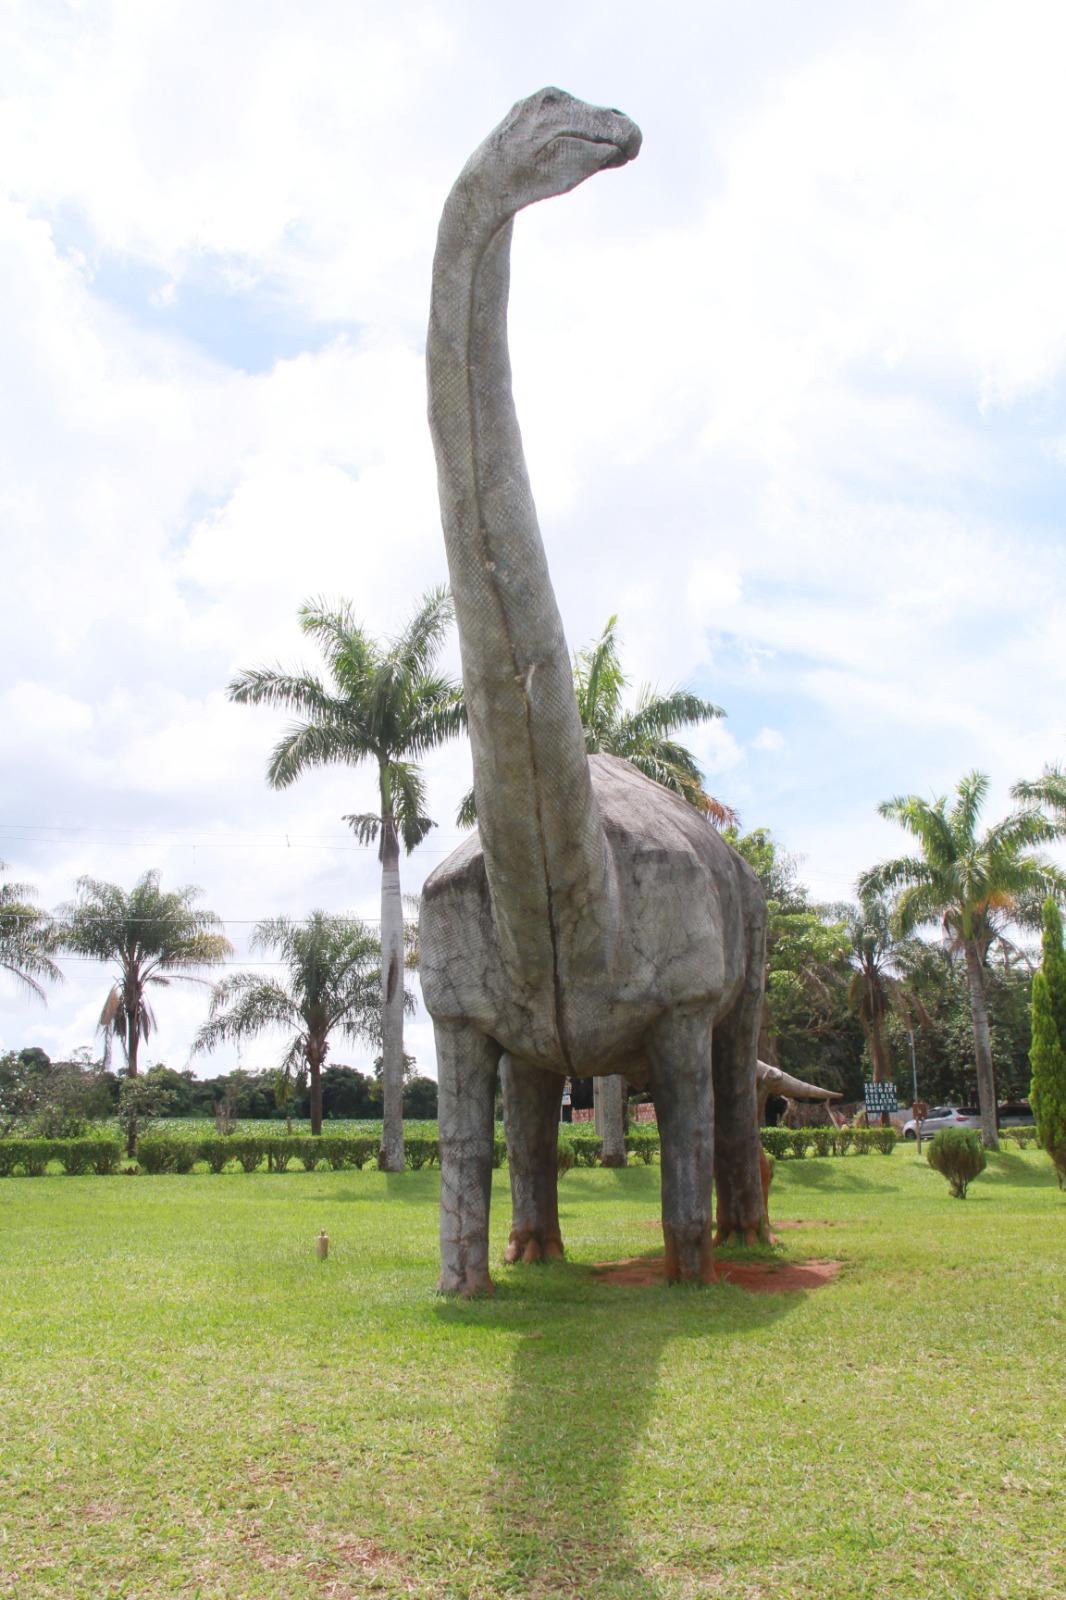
pixel 745 1234
pixel 689 1252
pixel 467 1285
pixel 532 1244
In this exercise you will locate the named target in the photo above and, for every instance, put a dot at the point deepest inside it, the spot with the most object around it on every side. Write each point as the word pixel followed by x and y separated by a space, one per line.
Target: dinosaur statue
pixel 595 919
pixel 774 1080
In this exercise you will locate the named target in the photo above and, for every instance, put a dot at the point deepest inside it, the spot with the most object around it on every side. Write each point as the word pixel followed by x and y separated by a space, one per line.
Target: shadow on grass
pixel 584 1370
pixel 837 1173
pixel 1012 1167
pixel 412 1188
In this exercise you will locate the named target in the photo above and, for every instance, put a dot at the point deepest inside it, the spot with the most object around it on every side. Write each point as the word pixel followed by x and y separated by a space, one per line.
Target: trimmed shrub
pixel 32 1156
pixel 777 1142
pixel 362 1151
pixel 72 1156
pixel 337 1153
pixel 9 1157
pixel 419 1153
pixel 823 1141
pixel 310 1153
pixel 216 1152
pixel 862 1140
pixel 587 1151
pixel 106 1156
pixel 800 1141
pixel 643 1144
pixel 157 1154
pixel 279 1153
pixel 884 1139
pixel 958 1155
pixel 249 1152
pixel 499 1152
pixel 564 1156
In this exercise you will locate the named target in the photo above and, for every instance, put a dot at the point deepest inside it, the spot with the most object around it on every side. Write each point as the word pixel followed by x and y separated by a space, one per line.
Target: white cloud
pixel 787 386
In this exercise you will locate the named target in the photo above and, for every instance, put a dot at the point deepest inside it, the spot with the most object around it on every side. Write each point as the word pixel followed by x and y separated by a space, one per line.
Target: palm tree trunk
pixel 609 1100
pixel 982 1046
pixel 879 1058
pixel 315 1083
pixel 133 1039
pixel 391 1154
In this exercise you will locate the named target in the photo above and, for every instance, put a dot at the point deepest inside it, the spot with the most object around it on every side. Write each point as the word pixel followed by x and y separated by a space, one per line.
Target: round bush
pixel 959 1155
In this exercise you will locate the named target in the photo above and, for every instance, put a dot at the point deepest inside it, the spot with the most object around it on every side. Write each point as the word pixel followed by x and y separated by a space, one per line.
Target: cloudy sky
pixel 791 388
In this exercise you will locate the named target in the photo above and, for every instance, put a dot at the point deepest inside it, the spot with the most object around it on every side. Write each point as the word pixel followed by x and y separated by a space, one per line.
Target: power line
pixel 37 832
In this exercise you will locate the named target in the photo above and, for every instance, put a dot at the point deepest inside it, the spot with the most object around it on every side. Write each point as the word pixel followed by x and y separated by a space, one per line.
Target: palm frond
pixel 315 744
pixel 418 645
pixel 466 816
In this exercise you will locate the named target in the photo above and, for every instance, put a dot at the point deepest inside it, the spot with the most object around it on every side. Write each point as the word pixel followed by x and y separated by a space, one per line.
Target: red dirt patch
pixel 758 1277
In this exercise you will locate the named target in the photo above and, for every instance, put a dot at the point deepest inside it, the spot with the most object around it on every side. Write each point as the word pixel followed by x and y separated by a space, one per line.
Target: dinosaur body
pixel 596 922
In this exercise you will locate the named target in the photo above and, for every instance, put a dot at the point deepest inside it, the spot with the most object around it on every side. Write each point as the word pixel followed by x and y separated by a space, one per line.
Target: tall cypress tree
pixel 1047 1055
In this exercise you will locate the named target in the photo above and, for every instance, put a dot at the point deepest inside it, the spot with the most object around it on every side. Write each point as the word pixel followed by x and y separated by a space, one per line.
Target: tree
pixel 27 939
pixel 875 990
pixel 1047 1092
pixel 1049 790
pixel 974 884
pixel 806 955
pixel 331 985
pixel 938 988
pixel 155 939
pixel 640 736
pixel 387 705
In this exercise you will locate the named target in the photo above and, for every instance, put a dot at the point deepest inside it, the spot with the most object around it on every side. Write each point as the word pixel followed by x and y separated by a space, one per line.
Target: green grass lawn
pixel 193 1405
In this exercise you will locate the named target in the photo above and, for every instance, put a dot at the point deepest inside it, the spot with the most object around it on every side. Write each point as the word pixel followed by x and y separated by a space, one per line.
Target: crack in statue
pixel 596 923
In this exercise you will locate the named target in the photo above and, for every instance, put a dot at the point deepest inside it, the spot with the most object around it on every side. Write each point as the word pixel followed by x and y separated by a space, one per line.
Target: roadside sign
pixel 880 1097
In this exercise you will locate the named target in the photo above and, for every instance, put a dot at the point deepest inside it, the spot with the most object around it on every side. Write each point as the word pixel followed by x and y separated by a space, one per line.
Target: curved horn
pixel 775 1081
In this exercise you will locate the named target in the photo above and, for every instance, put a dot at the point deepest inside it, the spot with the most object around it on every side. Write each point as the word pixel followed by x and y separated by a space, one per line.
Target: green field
pixel 193 1405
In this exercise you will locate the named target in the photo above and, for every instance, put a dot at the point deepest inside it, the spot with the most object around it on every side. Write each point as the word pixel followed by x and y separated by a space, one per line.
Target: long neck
pixel 540 825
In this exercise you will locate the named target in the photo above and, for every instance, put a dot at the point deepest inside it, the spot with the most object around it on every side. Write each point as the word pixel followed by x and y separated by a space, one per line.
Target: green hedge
pixel 75 1156
pixel 164 1153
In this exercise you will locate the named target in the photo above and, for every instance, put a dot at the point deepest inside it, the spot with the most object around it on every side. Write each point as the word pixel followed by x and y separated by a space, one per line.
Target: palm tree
pixel 332 985
pixel 1048 790
pixel 155 939
pixel 973 885
pixel 876 954
pixel 26 937
pixel 386 705
pixel 641 735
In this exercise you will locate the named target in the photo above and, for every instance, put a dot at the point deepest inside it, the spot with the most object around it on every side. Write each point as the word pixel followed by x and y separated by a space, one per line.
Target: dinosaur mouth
pixel 619 153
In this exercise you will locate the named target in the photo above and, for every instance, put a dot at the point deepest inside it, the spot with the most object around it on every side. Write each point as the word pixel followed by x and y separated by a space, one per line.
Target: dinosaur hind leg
pixel 679 1056
pixel 741 1171
pixel 531 1100
pixel 466 1081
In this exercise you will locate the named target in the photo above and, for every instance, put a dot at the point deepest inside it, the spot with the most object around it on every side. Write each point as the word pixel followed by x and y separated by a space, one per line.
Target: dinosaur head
pixel 548 144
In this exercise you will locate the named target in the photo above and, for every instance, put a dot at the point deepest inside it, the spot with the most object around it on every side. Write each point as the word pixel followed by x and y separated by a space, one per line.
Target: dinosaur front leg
pixel 531 1100
pixel 466 1083
pixel 679 1056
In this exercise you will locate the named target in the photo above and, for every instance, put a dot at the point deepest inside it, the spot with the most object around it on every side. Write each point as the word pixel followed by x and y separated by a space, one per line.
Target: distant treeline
pixel 57 1097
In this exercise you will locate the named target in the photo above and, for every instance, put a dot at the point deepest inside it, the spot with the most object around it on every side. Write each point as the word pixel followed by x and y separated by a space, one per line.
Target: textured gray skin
pixel 596 923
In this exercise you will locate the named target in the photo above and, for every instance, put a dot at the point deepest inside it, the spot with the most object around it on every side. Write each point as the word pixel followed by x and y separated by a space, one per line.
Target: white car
pixel 943 1117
